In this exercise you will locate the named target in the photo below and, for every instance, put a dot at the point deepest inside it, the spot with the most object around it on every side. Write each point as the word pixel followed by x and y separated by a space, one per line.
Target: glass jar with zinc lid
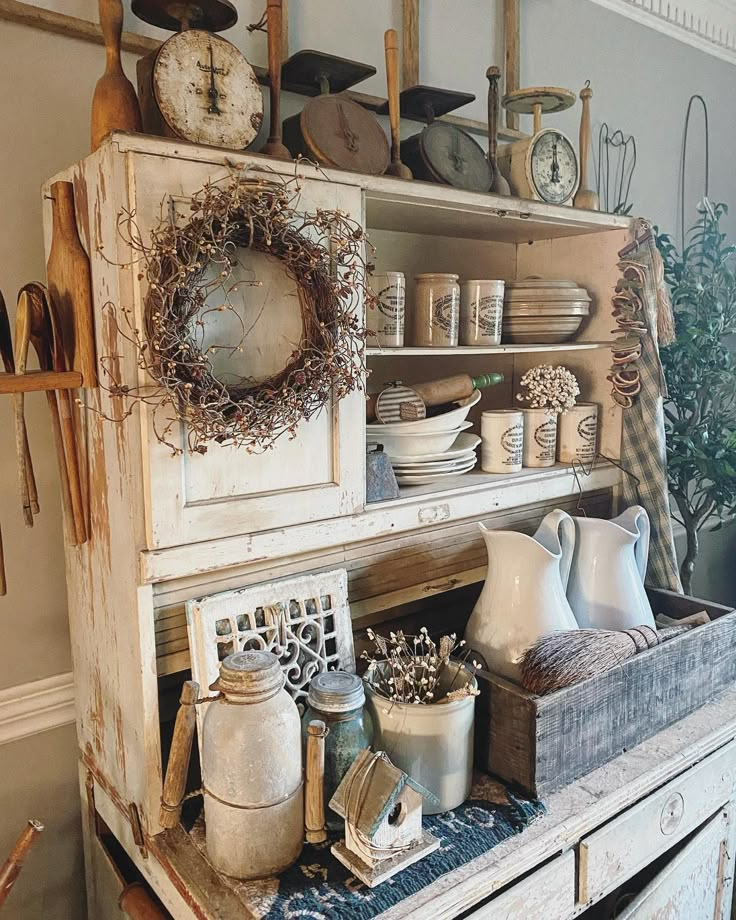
pixel 337 698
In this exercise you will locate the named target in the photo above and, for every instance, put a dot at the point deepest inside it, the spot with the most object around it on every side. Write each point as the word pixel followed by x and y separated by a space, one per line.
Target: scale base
pixel 423 103
pixel 305 70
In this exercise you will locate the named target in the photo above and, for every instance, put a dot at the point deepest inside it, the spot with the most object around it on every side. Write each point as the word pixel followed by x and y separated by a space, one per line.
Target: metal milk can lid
pixel 253 674
pixel 336 691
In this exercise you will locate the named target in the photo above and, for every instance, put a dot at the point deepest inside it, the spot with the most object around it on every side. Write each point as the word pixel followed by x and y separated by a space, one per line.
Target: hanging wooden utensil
pixel 25 465
pixel 10 869
pixel 332 129
pixel 41 336
pixel 8 359
pixel 274 146
pixel 391 45
pixel 67 411
pixel 585 197
pixel 70 285
pixel 442 152
pixel 114 104
pixel 499 185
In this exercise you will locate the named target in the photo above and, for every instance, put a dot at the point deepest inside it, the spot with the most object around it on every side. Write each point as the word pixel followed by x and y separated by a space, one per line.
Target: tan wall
pixel 642 82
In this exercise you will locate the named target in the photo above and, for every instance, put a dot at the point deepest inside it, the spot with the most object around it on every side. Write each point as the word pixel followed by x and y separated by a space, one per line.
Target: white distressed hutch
pixel 165 530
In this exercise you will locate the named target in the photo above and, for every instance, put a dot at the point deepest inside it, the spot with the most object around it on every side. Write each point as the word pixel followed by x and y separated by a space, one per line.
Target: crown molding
pixel 36 707
pixel 708 25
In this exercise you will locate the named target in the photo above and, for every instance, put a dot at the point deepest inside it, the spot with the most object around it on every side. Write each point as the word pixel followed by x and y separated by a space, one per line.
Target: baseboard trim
pixel 36 707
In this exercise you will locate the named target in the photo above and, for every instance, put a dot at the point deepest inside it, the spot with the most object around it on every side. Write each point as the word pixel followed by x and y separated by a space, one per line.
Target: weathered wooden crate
pixel 545 742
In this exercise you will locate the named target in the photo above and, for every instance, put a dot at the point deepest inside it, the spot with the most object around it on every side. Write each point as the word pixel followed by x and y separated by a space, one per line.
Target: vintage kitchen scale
pixel 332 129
pixel 441 152
pixel 543 167
pixel 197 86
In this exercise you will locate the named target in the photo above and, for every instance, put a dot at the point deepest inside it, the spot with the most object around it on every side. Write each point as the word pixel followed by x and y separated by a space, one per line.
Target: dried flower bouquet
pixel 410 668
pixel 552 388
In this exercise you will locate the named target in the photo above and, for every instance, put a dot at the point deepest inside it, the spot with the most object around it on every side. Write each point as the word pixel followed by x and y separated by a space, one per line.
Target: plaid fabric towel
pixel 643 449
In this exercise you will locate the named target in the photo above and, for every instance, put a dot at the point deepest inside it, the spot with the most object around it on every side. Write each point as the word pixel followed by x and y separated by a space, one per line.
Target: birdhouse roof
pixel 369 791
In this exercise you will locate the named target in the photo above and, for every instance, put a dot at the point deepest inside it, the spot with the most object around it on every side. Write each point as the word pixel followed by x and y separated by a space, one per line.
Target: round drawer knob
pixel 672 812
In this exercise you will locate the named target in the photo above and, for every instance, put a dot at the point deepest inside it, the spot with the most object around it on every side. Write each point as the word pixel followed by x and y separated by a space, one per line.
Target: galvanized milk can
pixel 252 770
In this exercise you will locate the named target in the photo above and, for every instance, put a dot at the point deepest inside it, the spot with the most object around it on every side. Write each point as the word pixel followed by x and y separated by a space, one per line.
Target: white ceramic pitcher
pixel 523 597
pixel 606 587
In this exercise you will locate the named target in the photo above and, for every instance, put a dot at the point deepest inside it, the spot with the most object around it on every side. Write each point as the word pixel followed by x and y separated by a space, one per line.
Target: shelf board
pixel 427 208
pixel 409 350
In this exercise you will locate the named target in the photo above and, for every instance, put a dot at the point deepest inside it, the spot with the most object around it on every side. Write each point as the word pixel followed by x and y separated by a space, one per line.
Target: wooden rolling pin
pixel 444 390
pixel 274 146
pixel 114 104
pixel 14 863
pixel 136 901
pixel 181 751
pixel 314 799
pixel 70 285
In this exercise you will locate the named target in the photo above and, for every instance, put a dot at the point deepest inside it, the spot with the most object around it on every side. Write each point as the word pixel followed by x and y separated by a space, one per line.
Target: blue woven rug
pixel 318 887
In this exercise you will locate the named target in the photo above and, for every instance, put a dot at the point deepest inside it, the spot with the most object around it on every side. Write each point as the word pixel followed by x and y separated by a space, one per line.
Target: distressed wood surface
pixel 545 742
pixel 619 850
pixel 547 894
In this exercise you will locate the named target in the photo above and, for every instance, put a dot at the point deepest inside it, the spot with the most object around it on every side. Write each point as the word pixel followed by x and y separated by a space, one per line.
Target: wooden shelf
pixel 410 350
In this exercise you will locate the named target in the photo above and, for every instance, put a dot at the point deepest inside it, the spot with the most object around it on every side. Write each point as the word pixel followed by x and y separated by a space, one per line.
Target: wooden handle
pixel 512 57
pixel 585 95
pixel 66 407
pixel 14 863
pixel 25 466
pixel 136 902
pixel 66 499
pixel 111 23
pixel 181 750
pixel 274 24
pixel 70 285
pixel 391 45
pixel 314 806
pixel 493 75
pixel 3 579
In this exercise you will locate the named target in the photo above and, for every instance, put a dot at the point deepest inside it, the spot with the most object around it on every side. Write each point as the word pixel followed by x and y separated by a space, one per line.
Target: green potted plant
pixel 700 413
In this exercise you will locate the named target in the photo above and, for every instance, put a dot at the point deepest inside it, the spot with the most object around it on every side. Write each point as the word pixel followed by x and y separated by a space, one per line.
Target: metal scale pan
pixel 331 128
pixel 442 152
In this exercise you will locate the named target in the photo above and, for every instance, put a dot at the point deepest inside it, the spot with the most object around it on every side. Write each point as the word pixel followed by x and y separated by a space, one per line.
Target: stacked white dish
pixel 430 449
pixel 537 311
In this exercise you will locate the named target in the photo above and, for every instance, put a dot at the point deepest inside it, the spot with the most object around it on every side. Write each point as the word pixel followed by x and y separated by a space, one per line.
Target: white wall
pixel 642 81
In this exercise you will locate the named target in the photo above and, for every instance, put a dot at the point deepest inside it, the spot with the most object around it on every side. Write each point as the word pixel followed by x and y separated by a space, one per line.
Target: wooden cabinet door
pixel 317 475
pixel 696 885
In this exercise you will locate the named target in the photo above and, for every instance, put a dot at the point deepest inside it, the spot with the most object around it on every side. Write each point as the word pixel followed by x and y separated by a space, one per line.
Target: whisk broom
pixel 569 656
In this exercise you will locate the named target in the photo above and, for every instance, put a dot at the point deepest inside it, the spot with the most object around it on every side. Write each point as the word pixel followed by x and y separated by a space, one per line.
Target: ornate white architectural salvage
pixel 709 25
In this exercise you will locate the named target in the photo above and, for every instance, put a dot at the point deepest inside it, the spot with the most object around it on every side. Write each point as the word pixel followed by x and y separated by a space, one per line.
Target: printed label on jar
pixel 444 313
pixel 545 435
pixel 487 313
pixel 512 441
pixel 587 430
pixel 391 306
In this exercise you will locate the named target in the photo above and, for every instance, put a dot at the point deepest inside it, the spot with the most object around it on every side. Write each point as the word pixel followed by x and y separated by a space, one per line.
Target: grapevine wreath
pixel 189 264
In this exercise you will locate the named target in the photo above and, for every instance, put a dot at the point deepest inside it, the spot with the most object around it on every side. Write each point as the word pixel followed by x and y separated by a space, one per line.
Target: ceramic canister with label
pixel 386 317
pixel 502 439
pixel 540 437
pixel 436 310
pixel 578 433
pixel 481 312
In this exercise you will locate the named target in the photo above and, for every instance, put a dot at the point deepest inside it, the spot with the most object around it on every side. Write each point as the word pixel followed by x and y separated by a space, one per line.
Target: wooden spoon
pixel 391 47
pixel 41 335
pixel 58 363
pixel 25 466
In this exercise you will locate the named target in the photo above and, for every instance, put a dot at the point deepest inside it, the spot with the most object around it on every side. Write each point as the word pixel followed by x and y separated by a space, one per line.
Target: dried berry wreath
pixel 189 265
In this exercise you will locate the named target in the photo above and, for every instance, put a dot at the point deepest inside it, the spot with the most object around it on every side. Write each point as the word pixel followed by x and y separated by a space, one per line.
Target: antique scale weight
pixel 543 167
pixel 197 86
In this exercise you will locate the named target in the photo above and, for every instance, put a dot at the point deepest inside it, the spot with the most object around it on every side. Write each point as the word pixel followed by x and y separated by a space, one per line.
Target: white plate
pixel 419 480
pixel 415 444
pixel 433 466
pixel 463 443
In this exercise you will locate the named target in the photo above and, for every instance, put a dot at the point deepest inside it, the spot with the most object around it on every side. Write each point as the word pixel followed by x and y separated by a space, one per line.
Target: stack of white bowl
pixel 430 449
pixel 536 311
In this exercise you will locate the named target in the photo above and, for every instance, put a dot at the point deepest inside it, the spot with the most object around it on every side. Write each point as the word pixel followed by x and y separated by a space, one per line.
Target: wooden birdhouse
pixel 382 808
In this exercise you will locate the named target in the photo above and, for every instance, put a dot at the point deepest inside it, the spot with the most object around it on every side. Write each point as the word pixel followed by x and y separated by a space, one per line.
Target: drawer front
pixel 628 843
pixel 547 894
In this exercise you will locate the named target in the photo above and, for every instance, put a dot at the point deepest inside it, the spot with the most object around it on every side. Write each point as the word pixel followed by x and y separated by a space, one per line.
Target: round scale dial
pixel 553 167
pixel 206 90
